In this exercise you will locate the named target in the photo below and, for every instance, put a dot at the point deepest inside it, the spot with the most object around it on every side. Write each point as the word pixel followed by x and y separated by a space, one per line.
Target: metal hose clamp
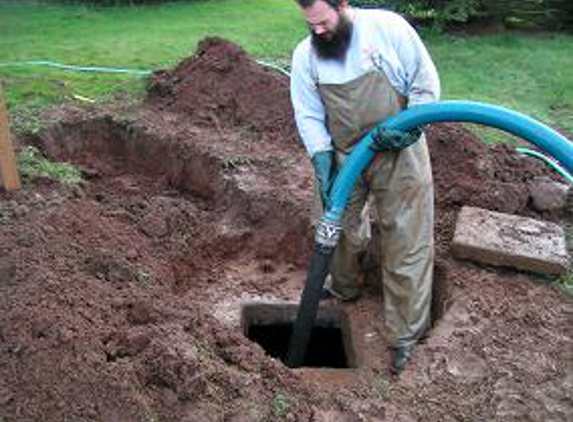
pixel 327 234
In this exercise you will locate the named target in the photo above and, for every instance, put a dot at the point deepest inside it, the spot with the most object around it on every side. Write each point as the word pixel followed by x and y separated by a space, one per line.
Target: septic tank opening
pixel 270 325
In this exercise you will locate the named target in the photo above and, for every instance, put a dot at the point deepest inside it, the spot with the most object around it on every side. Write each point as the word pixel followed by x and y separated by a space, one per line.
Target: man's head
pixel 330 26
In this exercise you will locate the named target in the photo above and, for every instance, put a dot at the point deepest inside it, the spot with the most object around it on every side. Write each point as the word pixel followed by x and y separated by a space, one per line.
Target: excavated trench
pixel 106 150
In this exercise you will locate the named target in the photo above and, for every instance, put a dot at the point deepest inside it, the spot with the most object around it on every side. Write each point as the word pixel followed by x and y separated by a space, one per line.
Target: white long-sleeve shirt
pixel 380 40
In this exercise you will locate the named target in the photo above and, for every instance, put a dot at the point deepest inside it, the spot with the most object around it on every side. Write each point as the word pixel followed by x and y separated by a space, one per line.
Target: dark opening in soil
pixel 270 326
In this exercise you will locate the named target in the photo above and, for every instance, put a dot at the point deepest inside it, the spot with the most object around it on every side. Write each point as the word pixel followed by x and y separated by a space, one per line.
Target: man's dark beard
pixel 334 48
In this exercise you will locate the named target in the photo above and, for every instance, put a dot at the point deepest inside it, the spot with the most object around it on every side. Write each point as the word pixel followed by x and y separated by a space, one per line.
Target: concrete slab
pixel 512 241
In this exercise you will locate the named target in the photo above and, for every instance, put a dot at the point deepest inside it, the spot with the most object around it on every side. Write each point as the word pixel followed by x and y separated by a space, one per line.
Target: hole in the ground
pixel 270 325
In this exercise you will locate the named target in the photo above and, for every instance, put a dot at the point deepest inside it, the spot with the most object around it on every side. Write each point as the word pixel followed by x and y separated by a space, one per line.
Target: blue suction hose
pixel 330 227
pixel 540 135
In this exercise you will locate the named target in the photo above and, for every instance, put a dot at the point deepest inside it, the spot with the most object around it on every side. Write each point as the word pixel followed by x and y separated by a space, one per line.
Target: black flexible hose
pixel 326 239
pixel 311 295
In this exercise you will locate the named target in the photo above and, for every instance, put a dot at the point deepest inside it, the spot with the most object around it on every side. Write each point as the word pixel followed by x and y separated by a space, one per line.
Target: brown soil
pixel 120 299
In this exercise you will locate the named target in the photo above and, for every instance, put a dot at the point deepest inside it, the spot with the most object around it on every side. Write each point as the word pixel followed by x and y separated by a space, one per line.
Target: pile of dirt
pixel 103 313
pixel 120 298
pixel 469 172
pixel 221 85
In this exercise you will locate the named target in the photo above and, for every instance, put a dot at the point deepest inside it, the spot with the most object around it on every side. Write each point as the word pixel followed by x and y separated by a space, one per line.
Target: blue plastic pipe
pixel 520 125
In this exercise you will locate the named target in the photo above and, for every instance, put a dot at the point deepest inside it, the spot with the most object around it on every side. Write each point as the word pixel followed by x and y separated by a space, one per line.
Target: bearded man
pixel 356 69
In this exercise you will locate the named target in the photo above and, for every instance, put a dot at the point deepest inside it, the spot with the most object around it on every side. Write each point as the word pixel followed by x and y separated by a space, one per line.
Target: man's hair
pixel 335 4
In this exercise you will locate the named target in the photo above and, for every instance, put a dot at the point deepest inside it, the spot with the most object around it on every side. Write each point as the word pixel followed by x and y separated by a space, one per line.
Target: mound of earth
pixel 120 298
pixel 221 85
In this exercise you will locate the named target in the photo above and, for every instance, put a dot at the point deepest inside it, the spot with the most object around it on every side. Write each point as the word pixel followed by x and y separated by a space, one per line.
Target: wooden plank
pixel 8 167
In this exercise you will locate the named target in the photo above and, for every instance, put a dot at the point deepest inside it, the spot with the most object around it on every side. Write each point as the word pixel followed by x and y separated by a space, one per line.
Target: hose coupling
pixel 327 235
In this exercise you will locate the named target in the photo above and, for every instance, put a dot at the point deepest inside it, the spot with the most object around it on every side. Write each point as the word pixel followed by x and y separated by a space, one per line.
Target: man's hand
pixel 394 140
pixel 324 170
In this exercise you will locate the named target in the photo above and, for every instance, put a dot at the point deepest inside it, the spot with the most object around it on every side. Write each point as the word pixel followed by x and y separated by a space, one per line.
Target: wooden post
pixel 8 168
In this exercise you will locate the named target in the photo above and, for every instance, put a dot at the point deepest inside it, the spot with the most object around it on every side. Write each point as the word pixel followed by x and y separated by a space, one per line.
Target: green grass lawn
pixel 529 73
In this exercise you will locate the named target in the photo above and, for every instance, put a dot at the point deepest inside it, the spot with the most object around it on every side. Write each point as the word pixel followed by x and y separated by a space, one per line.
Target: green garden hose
pixel 101 69
pixel 97 69
pixel 551 163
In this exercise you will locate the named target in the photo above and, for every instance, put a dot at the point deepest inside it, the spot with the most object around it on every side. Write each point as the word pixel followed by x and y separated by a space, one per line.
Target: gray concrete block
pixel 511 241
